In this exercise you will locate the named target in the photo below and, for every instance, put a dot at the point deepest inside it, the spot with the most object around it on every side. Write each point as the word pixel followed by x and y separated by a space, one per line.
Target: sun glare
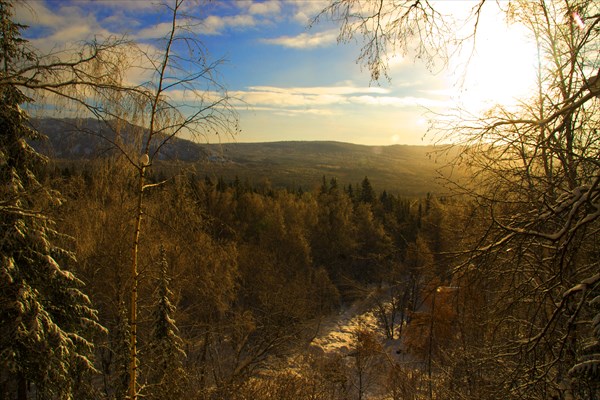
pixel 502 68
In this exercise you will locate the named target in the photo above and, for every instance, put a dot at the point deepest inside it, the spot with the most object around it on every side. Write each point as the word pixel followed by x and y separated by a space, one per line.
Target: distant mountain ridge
pixel 73 139
pixel 402 169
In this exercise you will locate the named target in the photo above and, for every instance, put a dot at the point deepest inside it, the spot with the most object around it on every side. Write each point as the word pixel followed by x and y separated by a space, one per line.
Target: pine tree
pixel 166 347
pixel 121 354
pixel 367 194
pixel 44 316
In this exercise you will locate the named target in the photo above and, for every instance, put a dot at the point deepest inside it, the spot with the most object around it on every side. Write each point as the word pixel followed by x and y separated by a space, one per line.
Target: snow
pixel 337 333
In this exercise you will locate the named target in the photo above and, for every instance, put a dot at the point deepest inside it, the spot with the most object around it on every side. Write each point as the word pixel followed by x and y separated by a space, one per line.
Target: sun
pixel 500 69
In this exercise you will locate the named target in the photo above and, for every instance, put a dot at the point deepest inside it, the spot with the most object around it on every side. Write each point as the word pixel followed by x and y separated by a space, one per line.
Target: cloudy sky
pixel 297 83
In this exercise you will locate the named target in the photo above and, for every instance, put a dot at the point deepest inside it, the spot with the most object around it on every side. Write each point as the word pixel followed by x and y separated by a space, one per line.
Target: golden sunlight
pixel 501 70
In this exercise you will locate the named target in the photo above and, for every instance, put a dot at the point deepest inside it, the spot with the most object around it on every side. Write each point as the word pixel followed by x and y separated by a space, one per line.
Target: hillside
pixel 405 170
pixel 75 139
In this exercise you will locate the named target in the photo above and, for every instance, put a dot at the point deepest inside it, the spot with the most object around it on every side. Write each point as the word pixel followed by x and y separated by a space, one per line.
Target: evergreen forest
pixel 124 277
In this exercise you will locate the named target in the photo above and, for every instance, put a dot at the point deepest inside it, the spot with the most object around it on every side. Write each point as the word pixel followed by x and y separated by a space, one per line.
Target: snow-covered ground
pixel 336 341
pixel 337 333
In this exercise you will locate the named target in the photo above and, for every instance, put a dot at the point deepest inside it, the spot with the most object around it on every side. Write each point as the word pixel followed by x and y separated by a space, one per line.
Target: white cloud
pixel 211 25
pixel 67 26
pixel 306 97
pixel 306 40
pixel 261 8
pixel 265 8
pixel 154 31
pixel 77 21
pixel 295 111
pixel 398 102
pixel 321 90
pixel 239 21
pixel 71 33
pixel 214 25
pixel 129 5
pixel 120 22
pixel 323 100
pixel 306 10
pixel 61 27
pixel 283 99
pixel 36 14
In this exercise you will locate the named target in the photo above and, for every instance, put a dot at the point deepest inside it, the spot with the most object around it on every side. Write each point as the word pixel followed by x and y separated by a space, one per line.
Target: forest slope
pixel 400 169
pixel 408 171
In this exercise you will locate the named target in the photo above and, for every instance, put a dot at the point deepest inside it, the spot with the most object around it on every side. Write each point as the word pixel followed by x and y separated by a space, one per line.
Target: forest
pixel 120 279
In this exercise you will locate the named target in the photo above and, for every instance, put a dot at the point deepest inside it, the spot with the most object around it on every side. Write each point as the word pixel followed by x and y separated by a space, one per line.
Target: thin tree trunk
pixel 134 287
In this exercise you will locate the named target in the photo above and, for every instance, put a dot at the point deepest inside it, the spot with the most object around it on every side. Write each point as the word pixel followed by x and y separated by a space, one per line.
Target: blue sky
pixel 295 83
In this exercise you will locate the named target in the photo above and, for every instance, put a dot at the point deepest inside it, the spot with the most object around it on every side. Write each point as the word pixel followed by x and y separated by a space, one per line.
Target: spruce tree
pixel 166 352
pixel 120 348
pixel 367 194
pixel 45 318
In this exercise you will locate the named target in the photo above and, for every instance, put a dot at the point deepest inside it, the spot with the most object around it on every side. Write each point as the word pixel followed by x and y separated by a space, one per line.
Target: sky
pixel 295 82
